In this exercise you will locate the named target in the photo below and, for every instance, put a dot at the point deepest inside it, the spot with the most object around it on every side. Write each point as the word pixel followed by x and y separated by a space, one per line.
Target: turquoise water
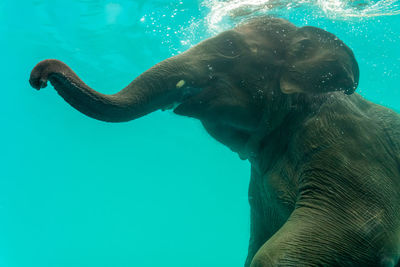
pixel 157 191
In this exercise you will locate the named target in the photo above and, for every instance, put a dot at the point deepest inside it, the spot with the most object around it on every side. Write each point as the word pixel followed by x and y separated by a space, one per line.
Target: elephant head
pixel 238 83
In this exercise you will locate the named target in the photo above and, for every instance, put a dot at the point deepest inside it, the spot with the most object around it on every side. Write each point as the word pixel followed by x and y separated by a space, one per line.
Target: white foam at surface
pixel 222 11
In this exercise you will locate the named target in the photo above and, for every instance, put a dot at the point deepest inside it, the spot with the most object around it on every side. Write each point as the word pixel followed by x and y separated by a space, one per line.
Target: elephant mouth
pixel 188 92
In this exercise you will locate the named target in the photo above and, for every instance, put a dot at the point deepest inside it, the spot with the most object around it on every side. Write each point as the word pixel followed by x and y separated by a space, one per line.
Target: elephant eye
pixel 229 45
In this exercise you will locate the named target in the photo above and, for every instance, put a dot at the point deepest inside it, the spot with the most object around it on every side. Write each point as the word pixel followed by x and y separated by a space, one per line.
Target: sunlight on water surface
pixel 235 10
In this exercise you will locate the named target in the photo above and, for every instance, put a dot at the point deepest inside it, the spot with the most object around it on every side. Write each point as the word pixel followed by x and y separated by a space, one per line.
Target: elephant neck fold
pixel 275 137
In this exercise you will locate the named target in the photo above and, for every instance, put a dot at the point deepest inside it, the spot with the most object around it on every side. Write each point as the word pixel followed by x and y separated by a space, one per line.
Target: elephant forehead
pixel 272 29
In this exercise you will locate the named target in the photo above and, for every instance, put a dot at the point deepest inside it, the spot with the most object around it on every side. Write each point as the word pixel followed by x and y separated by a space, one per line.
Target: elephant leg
pixel 258 235
pixel 264 221
pixel 291 246
pixel 308 239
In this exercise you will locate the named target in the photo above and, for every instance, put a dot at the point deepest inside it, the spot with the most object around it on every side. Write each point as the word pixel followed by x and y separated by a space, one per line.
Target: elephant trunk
pixel 159 87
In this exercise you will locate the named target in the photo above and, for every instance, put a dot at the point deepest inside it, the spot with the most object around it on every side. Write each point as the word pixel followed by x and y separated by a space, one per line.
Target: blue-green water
pixel 157 191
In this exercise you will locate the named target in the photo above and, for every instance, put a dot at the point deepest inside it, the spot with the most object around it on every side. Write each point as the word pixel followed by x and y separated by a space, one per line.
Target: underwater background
pixel 157 191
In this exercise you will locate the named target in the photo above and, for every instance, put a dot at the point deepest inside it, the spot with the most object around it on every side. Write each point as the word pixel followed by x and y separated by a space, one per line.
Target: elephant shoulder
pixel 392 128
pixel 388 121
pixel 352 122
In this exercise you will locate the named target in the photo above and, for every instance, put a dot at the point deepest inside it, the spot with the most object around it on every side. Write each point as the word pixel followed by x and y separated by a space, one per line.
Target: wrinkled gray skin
pixel 325 163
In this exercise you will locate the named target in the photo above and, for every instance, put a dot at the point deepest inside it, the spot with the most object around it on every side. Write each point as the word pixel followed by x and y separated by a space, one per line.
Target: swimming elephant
pixel 325 163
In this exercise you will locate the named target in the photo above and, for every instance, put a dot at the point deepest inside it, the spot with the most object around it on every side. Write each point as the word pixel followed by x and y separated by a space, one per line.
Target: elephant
pixel 325 162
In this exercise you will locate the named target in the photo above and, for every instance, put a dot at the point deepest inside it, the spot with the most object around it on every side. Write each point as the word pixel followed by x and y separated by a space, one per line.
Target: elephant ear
pixel 318 62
